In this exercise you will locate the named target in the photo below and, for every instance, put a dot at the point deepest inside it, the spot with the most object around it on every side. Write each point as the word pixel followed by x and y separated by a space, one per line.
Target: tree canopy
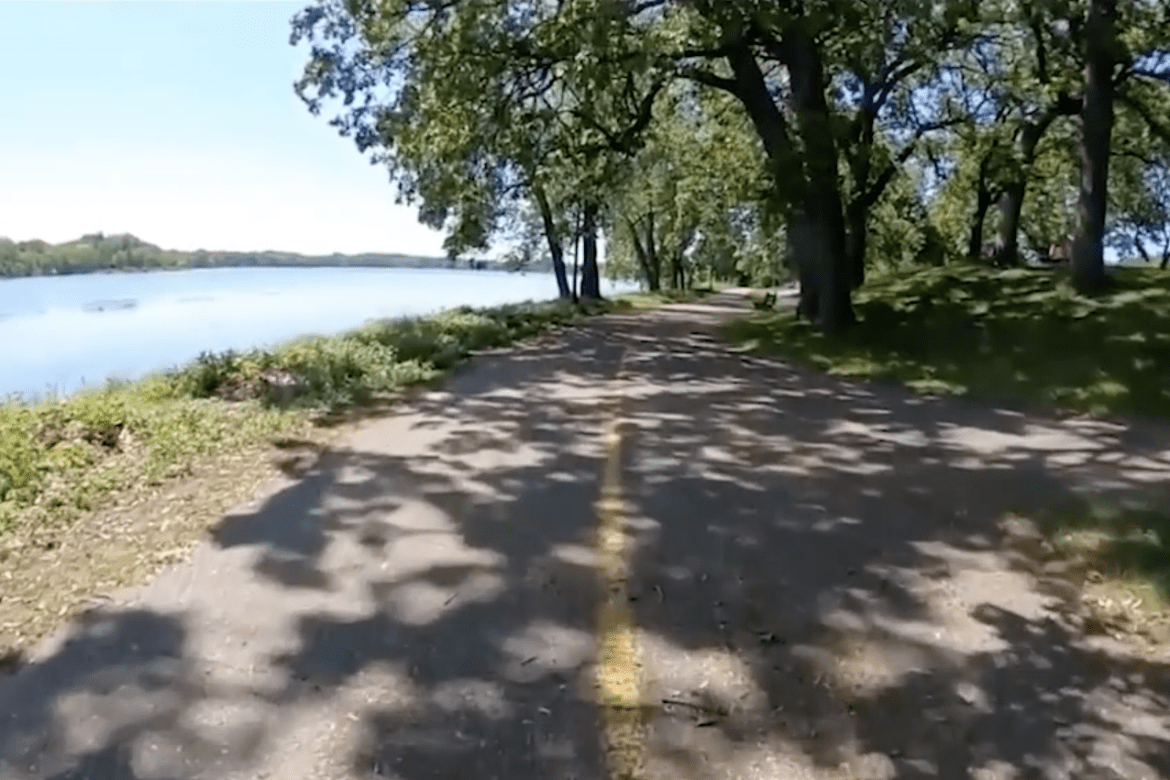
pixel 819 135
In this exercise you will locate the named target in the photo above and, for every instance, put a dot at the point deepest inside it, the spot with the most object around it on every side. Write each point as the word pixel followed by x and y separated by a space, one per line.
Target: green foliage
pixel 898 229
pixel 490 103
pixel 101 416
pixel 953 93
pixel 376 357
pixel 20 456
pixel 208 372
pixel 59 458
pixel 1019 334
pixel 648 300
pixel 691 199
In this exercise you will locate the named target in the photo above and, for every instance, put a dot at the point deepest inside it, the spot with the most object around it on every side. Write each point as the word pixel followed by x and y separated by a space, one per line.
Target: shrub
pixel 102 416
pixel 20 455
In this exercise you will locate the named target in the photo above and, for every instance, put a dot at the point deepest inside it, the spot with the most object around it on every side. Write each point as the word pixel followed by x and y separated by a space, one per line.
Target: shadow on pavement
pixel 822 582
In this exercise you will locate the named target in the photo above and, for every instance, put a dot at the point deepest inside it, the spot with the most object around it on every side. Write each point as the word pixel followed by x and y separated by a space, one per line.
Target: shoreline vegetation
pixel 97 253
pixel 89 483
pixel 55 452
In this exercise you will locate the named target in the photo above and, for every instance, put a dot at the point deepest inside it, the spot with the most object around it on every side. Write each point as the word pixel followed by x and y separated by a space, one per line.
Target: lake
pixel 61 333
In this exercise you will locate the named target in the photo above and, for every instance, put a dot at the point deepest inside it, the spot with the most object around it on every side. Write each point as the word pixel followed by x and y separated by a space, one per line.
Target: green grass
pixel 1005 335
pixel 1126 542
pixel 1123 556
pixel 652 300
pixel 61 458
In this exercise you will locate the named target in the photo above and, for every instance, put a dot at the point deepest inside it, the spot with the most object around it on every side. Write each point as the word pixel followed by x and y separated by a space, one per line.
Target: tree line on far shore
pixel 97 252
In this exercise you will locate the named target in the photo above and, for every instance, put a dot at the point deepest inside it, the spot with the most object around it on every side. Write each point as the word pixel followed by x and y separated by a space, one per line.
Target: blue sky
pixel 177 122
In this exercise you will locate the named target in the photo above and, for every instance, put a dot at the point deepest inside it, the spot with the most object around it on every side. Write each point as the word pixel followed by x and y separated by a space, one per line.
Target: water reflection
pixel 99 306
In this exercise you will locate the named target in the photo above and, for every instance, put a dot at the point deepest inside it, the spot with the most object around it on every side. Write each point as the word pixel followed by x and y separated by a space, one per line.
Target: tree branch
pixel 1136 155
pixel 646 5
pixel 716 53
pixel 874 191
pixel 1153 75
pixel 709 79
pixel 893 79
pixel 1042 74
pixel 1156 128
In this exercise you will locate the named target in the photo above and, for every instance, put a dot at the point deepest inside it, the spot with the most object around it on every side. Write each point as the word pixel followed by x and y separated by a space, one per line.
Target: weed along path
pixel 626 551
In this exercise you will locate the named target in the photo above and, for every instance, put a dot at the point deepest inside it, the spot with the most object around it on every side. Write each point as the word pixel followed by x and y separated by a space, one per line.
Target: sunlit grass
pixel 1017 334
pixel 1123 559
pixel 652 300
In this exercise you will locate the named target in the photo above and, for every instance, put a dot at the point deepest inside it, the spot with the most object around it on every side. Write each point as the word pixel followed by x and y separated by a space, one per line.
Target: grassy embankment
pixel 1024 337
pixel 100 489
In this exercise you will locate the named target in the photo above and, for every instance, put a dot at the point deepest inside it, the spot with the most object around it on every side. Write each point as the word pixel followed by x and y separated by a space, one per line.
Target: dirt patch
pixel 58 572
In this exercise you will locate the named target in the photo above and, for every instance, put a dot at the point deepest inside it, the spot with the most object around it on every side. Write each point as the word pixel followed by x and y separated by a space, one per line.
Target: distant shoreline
pixel 489 267
pixel 99 253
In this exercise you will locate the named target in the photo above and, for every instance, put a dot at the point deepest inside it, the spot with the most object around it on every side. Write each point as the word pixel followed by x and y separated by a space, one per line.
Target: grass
pixel 652 300
pixel 1120 556
pixel 1017 334
pixel 59 460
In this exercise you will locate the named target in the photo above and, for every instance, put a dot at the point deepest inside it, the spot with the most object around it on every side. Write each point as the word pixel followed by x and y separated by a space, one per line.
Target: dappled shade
pixel 823 578
pixel 1017 335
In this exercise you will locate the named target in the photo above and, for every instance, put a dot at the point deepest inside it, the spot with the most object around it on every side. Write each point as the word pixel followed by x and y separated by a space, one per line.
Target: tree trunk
pixel 590 274
pixel 800 257
pixel 643 253
pixel 676 272
pixel 857 218
pixel 1011 201
pixel 576 265
pixel 857 207
pixel 822 197
pixel 1088 256
pixel 982 204
pixel 825 293
pixel 655 262
pixel 1011 205
pixel 555 247
pixel 1140 247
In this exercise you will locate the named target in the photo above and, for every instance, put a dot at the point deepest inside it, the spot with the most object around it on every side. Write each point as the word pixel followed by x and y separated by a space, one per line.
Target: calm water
pixel 60 333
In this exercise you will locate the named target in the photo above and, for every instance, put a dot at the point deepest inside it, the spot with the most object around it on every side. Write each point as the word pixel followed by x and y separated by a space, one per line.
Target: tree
pixel 476 106
pixel 1142 221
pixel 1050 69
pixel 681 199
pixel 781 60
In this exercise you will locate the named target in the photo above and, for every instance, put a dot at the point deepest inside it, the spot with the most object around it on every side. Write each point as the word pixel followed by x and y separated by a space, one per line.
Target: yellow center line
pixel 618 686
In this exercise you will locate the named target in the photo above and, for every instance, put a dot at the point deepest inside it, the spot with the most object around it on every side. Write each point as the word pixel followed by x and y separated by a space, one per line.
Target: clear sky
pixel 177 122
